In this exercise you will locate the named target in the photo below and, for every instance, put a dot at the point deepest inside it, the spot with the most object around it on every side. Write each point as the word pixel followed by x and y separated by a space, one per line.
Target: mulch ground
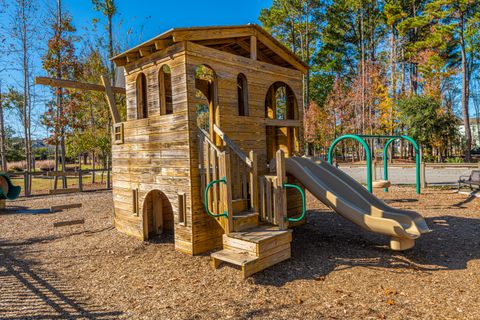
pixel 337 271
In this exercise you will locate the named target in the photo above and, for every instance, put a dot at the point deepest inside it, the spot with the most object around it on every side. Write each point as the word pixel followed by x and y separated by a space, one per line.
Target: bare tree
pixel 22 29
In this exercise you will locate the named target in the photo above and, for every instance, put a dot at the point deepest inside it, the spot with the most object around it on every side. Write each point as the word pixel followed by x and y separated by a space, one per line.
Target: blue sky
pixel 146 19
pixel 160 15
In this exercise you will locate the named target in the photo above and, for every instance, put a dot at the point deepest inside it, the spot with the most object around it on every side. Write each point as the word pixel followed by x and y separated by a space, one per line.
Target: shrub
pixel 17 166
pixel 45 165
pixel 454 160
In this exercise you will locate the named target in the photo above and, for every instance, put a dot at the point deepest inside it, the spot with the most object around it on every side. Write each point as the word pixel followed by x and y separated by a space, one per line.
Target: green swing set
pixel 361 139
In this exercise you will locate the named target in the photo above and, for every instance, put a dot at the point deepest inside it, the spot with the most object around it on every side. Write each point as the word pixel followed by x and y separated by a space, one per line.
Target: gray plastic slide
pixel 351 200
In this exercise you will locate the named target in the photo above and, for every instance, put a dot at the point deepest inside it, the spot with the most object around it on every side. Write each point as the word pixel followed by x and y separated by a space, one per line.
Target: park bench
pixel 472 180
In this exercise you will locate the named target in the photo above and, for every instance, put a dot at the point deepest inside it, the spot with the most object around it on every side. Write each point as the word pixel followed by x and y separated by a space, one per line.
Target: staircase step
pixel 245 220
pixel 266 260
pixel 236 257
pixel 261 234
pixel 254 249
pixel 239 205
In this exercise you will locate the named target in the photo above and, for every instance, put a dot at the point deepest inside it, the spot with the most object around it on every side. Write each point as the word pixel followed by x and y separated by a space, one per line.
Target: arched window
pixel 280 102
pixel 142 106
pixel 165 90
pixel 242 95
pixel 205 97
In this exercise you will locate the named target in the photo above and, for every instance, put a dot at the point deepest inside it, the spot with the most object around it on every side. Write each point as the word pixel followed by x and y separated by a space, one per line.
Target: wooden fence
pixel 37 183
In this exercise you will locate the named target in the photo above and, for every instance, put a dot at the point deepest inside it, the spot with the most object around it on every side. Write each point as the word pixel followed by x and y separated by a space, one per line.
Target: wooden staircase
pixel 256 234
pixel 254 249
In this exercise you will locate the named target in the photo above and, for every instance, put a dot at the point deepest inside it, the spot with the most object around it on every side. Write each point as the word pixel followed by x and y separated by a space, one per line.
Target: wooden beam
pixel 68 223
pixel 162 44
pixel 253 48
pixel 63 191
pixel 65 206
pixel 145 51
pixel 207 34
pixel 133 56
pixel 282 123
pixel 214 42
pixel 259 54
pixel 120 62
pixel 111 100
pixel 60 83
pixel 228 49
pixel 281 52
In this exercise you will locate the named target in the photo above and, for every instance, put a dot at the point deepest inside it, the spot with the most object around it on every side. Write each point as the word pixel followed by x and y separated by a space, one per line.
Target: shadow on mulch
pixel 23 210
pixel 472 196
pixel 400 200
pixel 328 243
pixel 28 292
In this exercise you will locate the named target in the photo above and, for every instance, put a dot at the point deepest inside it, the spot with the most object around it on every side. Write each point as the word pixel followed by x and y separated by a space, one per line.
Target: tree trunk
pixel 26 102
pixel 363 70
pixel 93 167
pixel 3 151
pixel 465 94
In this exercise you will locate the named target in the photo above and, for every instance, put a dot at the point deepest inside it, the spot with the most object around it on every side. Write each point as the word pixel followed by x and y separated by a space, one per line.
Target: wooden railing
pixel 244 171
pixel 214 164
pixel 273 197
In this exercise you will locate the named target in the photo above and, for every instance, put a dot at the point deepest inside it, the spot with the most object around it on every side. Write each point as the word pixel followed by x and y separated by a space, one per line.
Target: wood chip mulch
pixel 337 271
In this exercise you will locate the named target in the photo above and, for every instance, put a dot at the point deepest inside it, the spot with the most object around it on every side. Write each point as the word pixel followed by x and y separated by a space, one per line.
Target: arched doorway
pixel 205 98
pixel 280 104
pixel 157 215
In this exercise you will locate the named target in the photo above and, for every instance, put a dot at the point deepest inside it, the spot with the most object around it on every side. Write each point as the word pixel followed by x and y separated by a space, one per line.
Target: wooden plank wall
pixel 161 151
pixel 155 154
pixel 249 132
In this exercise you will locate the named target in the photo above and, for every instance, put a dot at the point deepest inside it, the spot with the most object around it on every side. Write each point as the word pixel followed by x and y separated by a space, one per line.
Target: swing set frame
pixel 361 139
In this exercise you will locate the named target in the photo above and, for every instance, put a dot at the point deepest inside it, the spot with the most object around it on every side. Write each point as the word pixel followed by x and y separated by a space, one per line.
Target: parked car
pixel 475 151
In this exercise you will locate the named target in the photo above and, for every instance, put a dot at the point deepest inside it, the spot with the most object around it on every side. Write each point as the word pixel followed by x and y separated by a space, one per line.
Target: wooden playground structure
pixel 209 149
pixel 248 88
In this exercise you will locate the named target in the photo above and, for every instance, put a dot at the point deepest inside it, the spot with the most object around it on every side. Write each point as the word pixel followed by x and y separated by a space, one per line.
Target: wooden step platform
pixel 254 249
pixel 238 258
pixel 245 220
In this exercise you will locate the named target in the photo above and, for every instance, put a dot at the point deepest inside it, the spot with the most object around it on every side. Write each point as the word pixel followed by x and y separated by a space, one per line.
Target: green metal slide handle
pixel 211 214
pixel 304 204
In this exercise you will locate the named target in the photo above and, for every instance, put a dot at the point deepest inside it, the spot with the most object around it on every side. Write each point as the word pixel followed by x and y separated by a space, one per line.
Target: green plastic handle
pixel 211 214
pixel 304 204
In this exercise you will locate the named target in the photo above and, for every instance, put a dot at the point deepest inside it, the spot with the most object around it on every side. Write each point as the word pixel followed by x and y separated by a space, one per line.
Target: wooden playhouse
pixel 209 110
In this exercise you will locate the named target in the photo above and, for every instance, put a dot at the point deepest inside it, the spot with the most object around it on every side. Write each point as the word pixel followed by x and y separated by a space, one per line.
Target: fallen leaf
pixel 389 292
pixel 299 301
pixel 390 301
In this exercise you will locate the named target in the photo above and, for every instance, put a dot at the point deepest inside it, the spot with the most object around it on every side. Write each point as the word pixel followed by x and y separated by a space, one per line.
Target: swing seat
pixel 7 189
pixel 381 184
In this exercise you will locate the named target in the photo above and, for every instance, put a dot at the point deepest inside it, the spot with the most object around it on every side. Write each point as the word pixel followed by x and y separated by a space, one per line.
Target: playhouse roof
pixel 232 39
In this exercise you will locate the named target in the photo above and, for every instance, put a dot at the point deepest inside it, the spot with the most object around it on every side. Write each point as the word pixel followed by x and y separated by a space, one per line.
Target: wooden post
pixel 227 195
pixel 280 196
pixel 253 48
pixel 423 176
pixel 109 183
pixel 80 180
pixel 93 168
pixel 374 170
pixel 26 190
pixel 254 181
pixel 111 100
pixel 3 204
